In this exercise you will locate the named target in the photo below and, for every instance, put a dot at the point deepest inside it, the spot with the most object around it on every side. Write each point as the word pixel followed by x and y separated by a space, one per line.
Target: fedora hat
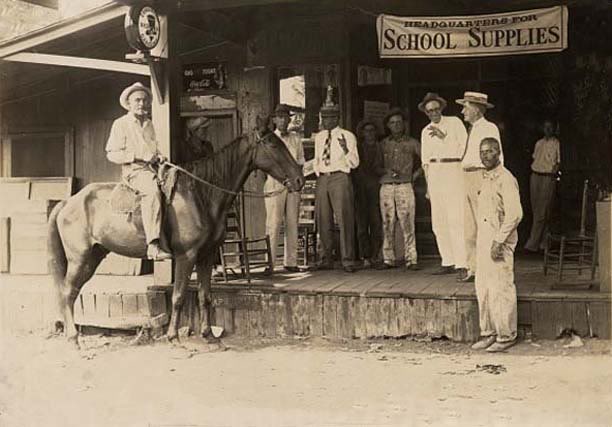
pixel 123 98
pixel 198 122
pixel 393 112
pixel 475 98
pixel 432 96
pixel 282 110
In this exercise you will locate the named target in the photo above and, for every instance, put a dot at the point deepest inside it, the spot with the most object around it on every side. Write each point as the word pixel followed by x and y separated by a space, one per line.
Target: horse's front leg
pixel 204 269
pixel 182 272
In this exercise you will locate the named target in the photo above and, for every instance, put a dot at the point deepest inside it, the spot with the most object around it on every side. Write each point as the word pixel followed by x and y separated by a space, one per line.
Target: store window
pixel 304 89
pixel 45 152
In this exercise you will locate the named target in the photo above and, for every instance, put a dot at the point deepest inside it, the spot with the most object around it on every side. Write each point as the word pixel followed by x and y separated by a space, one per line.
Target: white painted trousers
pixel 472 183
pixel 446 194
pixel 283 208
pixel 397 200
pixel 495 289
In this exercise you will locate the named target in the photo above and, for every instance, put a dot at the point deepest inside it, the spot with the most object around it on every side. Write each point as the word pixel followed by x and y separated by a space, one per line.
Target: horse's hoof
pixel 74 342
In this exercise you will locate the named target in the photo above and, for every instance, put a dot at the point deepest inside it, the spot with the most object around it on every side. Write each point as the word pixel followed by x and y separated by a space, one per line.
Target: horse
pixel 83 229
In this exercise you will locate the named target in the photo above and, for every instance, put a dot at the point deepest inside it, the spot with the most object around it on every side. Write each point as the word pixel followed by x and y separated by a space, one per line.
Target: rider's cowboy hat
pixel 282 110
pixel 475 98
pixel 123 99
pixel 432 96
pixel 198 122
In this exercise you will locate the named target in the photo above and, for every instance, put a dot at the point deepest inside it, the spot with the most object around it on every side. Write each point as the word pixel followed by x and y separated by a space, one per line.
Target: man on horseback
pixel 132 144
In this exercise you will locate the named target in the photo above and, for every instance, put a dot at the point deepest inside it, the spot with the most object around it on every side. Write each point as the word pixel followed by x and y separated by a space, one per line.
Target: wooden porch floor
pixel 530 280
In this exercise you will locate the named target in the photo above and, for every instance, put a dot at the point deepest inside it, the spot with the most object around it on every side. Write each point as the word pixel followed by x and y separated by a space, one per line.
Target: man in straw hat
pixel 499 214
pixel 335 155
pixel 284 206
pixel 198 145
pixel 475 106
pixel 132 144
pixel 400 170
pixel 442 145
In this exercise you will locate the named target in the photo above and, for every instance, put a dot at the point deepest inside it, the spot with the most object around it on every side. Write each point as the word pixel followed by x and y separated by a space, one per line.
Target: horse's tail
pixel 56 258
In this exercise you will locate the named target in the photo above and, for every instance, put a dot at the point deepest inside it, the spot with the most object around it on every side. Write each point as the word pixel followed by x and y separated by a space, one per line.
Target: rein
pixel 246 193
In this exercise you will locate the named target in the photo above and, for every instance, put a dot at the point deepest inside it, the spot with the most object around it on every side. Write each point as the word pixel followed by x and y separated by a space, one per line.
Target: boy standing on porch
pixel 132 144
pixel 546 162
pixel 284 206
pixel 499 214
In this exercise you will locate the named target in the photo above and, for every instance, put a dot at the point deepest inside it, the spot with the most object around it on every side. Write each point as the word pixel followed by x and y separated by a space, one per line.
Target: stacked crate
pixel 28 236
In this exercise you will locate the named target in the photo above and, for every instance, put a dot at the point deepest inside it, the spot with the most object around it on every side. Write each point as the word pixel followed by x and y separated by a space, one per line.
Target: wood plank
pixel 544 320
pixel 467 325
pixel 448 317
pixel 80 62
pixel 524 313
pixel 130 304
pixel 358 310
pixel 405 316
pixel 439 289
pixel 345 320
pixel 330 304
pixel 600 319
pixel 579 318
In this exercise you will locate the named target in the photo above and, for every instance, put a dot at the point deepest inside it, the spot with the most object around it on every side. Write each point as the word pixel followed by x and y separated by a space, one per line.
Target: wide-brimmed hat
pixel 282 110
pixel 198 122
pixel 393 112
pixel 123 98
pixel 432 96
pixel 475 98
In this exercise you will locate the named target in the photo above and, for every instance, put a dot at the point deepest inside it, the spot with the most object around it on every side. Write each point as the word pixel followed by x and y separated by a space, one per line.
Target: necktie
pixel 327 149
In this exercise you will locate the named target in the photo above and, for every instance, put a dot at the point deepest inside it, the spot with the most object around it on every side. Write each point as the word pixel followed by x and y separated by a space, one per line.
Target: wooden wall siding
pixel 90 109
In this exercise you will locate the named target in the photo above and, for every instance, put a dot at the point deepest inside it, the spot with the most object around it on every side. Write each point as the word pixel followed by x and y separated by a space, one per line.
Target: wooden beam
pixel 62 28
pixel 193 5
pixel 77 62
pixel 51 4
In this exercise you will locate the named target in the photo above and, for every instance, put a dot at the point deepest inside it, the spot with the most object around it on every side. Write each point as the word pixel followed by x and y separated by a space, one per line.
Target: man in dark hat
pixel 400 169
pixel 284 206
pixel 198 145
pixel 132 144
pixel 475 106
pixel 335 156
pixel 366 183
pixel 442 145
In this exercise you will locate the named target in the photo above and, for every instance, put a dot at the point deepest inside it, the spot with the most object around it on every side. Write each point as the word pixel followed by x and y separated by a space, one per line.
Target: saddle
pixel 125 200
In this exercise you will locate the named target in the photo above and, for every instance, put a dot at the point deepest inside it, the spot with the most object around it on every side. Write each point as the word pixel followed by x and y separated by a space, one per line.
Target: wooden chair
pixel 238 254
pixel 565 253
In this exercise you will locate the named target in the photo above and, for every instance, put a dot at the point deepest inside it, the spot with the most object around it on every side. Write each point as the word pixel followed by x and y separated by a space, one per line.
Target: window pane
pixel 36 155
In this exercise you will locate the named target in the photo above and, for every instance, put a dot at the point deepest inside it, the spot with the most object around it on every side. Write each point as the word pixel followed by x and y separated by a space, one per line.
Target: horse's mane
pixel 218 169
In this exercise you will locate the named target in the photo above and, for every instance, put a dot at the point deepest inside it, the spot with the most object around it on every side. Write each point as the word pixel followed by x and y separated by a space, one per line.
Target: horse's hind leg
pixel 78 273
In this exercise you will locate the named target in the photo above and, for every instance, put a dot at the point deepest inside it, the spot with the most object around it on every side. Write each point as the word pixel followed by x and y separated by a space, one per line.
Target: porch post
pixel 165 81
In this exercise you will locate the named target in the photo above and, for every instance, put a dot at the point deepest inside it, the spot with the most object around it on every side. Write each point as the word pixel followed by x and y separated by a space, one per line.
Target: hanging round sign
pixel 142 27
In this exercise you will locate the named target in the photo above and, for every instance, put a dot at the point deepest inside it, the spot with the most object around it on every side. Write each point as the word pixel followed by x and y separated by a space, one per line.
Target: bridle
pixel 261 142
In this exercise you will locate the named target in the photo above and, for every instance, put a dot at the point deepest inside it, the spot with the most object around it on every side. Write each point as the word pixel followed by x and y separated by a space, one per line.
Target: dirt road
pixel 301 383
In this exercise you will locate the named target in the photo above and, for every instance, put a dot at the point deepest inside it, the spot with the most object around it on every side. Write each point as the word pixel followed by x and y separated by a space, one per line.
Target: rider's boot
pixel 156 253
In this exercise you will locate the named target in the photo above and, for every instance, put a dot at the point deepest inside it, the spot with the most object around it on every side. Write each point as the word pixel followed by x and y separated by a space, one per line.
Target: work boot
pixel 465 276
pixel 501 346
pixel 156 253
pixel 483 342
pixel 445 269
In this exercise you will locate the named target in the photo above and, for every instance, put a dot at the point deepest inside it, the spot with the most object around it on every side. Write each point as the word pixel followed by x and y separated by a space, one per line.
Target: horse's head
pixel 273 157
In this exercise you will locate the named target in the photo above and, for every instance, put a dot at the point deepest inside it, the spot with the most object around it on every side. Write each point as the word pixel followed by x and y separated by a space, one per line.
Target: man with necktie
pixel 335 156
